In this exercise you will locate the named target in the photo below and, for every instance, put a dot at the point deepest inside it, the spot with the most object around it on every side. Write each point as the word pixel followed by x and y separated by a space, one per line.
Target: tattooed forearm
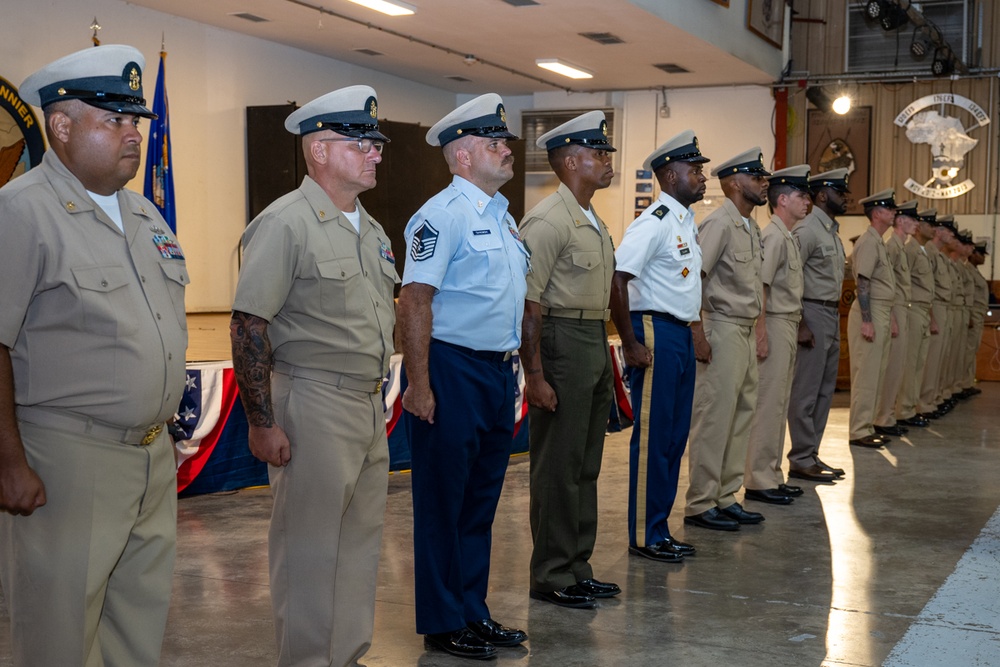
pixel 252 366
pixel 531 336
pixel 865 298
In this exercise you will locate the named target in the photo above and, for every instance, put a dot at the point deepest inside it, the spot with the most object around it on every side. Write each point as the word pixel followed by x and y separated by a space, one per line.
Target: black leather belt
pixel 486 355
pixel 828 304
pixel 656 315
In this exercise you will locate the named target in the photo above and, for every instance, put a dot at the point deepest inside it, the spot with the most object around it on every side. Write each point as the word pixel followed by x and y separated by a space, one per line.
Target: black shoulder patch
pixel 661 211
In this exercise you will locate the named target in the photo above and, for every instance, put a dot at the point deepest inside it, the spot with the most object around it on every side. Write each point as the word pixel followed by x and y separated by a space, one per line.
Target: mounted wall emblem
pixel 948 139
pixel 21 142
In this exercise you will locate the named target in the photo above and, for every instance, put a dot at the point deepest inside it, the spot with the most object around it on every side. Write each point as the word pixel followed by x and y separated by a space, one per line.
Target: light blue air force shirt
pixel 464 244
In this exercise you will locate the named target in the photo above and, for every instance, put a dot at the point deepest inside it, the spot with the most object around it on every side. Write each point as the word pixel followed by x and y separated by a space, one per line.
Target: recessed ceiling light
pixel 565 69
pixel 390 7
pixel 247 16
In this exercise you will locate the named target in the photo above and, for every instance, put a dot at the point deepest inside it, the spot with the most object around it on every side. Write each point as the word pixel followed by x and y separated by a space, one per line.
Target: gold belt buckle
pixel 378 386
pixel 151 434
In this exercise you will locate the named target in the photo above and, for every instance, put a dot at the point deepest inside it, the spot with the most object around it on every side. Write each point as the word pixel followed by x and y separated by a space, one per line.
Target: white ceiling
pixel 496 32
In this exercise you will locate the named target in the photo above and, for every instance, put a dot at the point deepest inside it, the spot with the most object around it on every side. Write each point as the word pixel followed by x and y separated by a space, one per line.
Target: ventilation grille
pixel 536 123
pixel 460 79
pixel 369 52
pixel 253 18
pixel 603 37
pixel 672 68
pixel 520 3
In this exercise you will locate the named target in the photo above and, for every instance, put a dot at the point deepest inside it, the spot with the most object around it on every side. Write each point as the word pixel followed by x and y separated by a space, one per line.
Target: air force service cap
pixel 796 177
pixel 107 77
pixel 748 162
pixel 589 129
pixel 351 111
pixel 481 117
pixel 835 178
pixel 682 148
pixel 884 198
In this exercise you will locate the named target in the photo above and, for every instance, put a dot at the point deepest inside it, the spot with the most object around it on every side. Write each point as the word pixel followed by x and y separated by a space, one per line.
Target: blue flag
pixel 159 187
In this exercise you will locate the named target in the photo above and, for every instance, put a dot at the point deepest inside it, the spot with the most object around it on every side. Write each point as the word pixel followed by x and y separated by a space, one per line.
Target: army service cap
pixel 107 77
pixel 481 117
pixel 796 177
pixel 589 129
pixel 748 162
pixel 682 148
pixel 351 111
pixel 883 198
pixel 835 179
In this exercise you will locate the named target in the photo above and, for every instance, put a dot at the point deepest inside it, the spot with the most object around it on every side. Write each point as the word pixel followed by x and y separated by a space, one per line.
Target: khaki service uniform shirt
pixel 823 258
pixel 981 298
pixel 572 261
pixel 870 260
pixel 781 270
pixel 94 318
pixel 731 263
pixel 326 291
pixel 921 273
pixel 900 262
pixel 942 275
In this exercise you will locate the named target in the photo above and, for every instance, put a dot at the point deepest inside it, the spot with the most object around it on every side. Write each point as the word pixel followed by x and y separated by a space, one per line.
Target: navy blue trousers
pixel 459 463
pixel 662 395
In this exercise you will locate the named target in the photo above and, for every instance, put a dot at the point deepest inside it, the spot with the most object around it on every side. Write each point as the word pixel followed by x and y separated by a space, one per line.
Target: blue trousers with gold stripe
pixel 661 406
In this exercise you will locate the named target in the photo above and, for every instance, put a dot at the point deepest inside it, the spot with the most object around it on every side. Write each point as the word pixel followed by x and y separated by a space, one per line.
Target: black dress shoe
pixel 712 519
pixel 492 632
pixel 891 430
pixel 773 496
pixel 736 511
pixel 598 589
pixel 789 490
pixel 870 441
pixel 654 552
pixel 814 473
pixel 915 420
pixel 930 415
pixel 682 548
pixel 573 597
pixel 464 643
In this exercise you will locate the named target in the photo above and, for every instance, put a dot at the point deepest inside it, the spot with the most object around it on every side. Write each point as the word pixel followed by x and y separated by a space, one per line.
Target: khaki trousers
pixel 868 362
pixel 326 524
pixel 929 393
pixel 975 337
pixel 955 351
pixel 767 429
pixel 87 576
pixel 892 382
pixel 725 395
pixel 917 340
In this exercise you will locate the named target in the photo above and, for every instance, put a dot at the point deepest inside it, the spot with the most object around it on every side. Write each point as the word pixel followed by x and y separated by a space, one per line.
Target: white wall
pixel 212 76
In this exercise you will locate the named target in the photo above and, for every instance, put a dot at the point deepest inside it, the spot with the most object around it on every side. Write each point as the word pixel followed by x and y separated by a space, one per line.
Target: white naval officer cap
pixel 351 111
pixel 884 198
pixel 482 117
pixel 748 162
pixel 796 177
pixel 107 77
pixel 681 148
pixel 589 129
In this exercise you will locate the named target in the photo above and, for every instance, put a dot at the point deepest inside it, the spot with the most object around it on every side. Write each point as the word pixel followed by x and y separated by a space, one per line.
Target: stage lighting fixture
pixel 942 65
pixel 921 44
pixel 819 97
pixel 874 9
pixel 893 18
pixel 842 104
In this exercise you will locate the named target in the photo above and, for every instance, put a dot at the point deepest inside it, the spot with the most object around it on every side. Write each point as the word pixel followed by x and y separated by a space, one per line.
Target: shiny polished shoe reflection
pixel 839 472
pixel 737 513
pixel 772 496
pixel 464 643
pixel 599 589
pixel 713 519
pixel 492 632
pixel 572 597
pixel 790 490
pixel 813 473
pixel 667 554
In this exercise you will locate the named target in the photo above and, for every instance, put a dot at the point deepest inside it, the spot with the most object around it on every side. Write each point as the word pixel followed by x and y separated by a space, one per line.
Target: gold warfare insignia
pixel 373 109
pixel 133 78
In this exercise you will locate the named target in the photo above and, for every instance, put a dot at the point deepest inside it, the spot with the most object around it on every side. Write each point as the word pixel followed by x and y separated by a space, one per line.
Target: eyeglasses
pixel 365 145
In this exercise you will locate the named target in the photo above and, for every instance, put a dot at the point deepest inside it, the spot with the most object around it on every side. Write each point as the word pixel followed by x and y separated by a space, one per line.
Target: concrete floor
pixel 837 578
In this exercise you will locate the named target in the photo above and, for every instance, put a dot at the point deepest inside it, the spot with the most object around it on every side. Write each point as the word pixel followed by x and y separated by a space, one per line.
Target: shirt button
pixel 158 316
pixel 143 278
pixel 170 356
pixel 104 283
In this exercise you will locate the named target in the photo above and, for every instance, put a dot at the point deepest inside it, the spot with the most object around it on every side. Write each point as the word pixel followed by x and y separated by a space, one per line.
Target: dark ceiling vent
pixel 672 68
pixel 369 52
pixel 520 3
pixel 460 79
pixel 603 37
pixel 253 18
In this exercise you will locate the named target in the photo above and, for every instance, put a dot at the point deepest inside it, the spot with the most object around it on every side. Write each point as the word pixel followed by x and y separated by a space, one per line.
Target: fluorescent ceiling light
pixel 390 7
pixel 559 67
